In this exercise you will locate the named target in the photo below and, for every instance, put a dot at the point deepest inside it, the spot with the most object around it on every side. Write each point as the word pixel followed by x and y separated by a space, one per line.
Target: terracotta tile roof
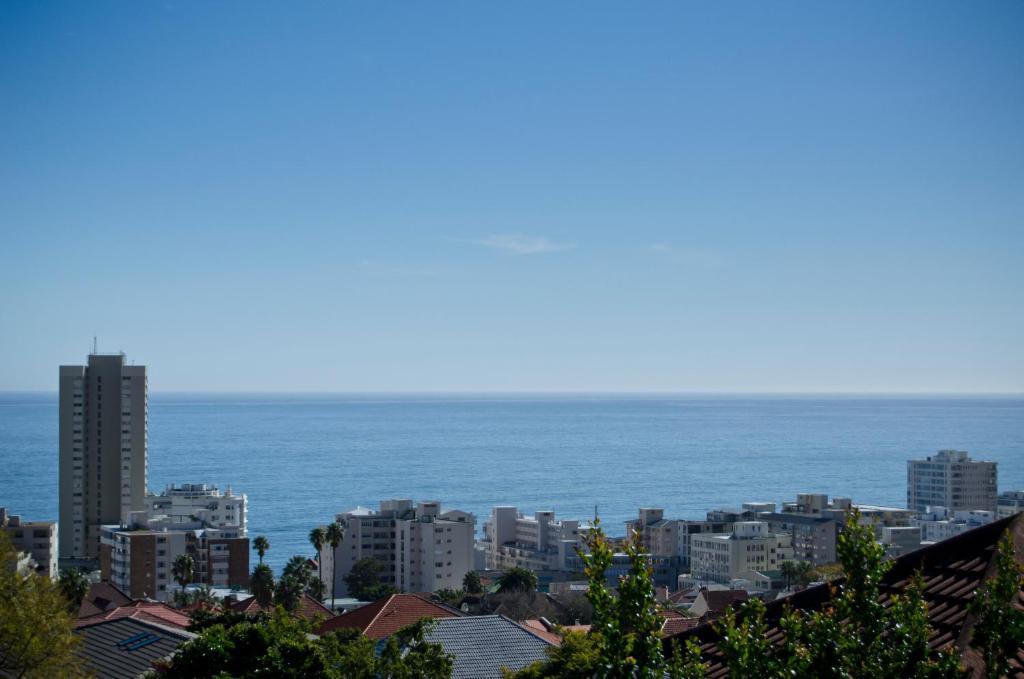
pixel 309 607
pixel 147 611
pixel 384 617
pixel 102 596
pixel 718 600
pixel 675 622
pixel 952 571
pixel 537 627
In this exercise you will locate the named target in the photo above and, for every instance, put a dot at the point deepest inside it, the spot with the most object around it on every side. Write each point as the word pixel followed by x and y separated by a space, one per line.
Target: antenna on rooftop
pixel 94 344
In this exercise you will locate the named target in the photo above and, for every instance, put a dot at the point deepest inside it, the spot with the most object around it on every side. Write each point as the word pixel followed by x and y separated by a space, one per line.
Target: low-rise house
pixel 36 539
pixel 151 611
pixel 102 596
pixel 712 603
pixel 384 617
pixel 482 646
pixel 308 608
pixel 127 647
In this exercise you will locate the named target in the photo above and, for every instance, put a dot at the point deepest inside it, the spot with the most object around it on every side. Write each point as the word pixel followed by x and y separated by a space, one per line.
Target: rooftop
pixel 384 617
pixel 482 645
pixel 127 647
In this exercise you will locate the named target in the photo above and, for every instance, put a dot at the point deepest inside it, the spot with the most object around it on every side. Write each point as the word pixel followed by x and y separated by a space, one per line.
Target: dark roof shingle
pixel 483 644
pixel 127 647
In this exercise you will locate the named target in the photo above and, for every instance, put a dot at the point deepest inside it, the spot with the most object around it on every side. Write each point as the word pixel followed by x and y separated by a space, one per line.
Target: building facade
pixel 139 562
pixel 103 448
pixel 1009 503
pixel 663 537
pixel 36 539
pixel 749 548
pixel 538 543
pixel 202 503
pixel 938 523
pixel 953 480
pixel 421 547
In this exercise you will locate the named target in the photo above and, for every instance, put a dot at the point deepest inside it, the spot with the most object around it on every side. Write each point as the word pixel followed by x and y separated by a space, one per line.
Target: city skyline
pixel 710 199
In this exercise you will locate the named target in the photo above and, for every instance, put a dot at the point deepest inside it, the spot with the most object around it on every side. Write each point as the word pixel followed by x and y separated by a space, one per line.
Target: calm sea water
pixel 301 459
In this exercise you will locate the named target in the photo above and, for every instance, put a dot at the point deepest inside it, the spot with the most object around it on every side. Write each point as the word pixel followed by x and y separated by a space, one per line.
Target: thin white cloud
pixel 518 244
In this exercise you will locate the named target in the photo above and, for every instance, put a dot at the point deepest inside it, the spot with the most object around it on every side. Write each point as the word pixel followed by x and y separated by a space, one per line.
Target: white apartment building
pixel 938 523
pixel 749 548
pixel 672 537
pixel 200 503
pixel 1009 503
pixel 36 539
pixel 953 480
pixel 538 542
pixel 421 547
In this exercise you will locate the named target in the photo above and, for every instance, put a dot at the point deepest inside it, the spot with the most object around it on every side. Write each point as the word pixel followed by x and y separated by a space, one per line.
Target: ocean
pixel 303 458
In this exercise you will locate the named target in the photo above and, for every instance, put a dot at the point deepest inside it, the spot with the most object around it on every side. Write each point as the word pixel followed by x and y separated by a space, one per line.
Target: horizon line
pixel 561 392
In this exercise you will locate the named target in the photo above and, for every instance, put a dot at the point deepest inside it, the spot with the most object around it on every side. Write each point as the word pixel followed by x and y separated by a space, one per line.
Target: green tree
pixel 363 580
pixel 471 582
pixel 282 646
pixel 183 570
pixel 517 580
pixel 335 535
pixel 625 635
pixel 261 584
pixel 74 585
pixel 856 636
pixel 452 597
pixel 36 638
pixel 318 538
pixel 261 544
pixel 998 631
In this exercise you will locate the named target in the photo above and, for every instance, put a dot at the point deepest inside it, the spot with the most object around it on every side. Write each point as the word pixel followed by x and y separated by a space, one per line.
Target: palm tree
pixel 74 585
pixel 262 585
pixel 335 534
pixel 317 538
pixel 261 544
pixel 183 570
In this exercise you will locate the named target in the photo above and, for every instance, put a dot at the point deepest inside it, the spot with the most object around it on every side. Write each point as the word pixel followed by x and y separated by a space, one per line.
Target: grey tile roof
pixel 127 647
pixel 482 645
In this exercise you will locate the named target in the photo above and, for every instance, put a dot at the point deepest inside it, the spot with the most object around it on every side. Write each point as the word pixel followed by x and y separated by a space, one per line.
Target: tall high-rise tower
pixel 103 421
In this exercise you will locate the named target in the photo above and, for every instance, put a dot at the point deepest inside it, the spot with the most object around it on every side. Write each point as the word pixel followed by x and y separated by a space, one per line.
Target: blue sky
pixel 516 196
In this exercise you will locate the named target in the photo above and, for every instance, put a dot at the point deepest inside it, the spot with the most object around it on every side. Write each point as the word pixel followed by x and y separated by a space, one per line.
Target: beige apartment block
pixel 951 479
pixel 749 548
pixel 103 447
pixel 36 539
pixel 421 547
pixel 538 542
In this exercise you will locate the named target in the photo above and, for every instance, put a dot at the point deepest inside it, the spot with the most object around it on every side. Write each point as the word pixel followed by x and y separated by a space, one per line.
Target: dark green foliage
pixel 364 583
pixel 471 583
pixel 334 534
pixel 799 573
pixel 261 584
pixel 518 580
pixel 261 544
pixel 74 586
pixel 999 629
pixel 452 597
pixel 857 636
pixel 281 646
pixel 183 569
pixel 202 619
